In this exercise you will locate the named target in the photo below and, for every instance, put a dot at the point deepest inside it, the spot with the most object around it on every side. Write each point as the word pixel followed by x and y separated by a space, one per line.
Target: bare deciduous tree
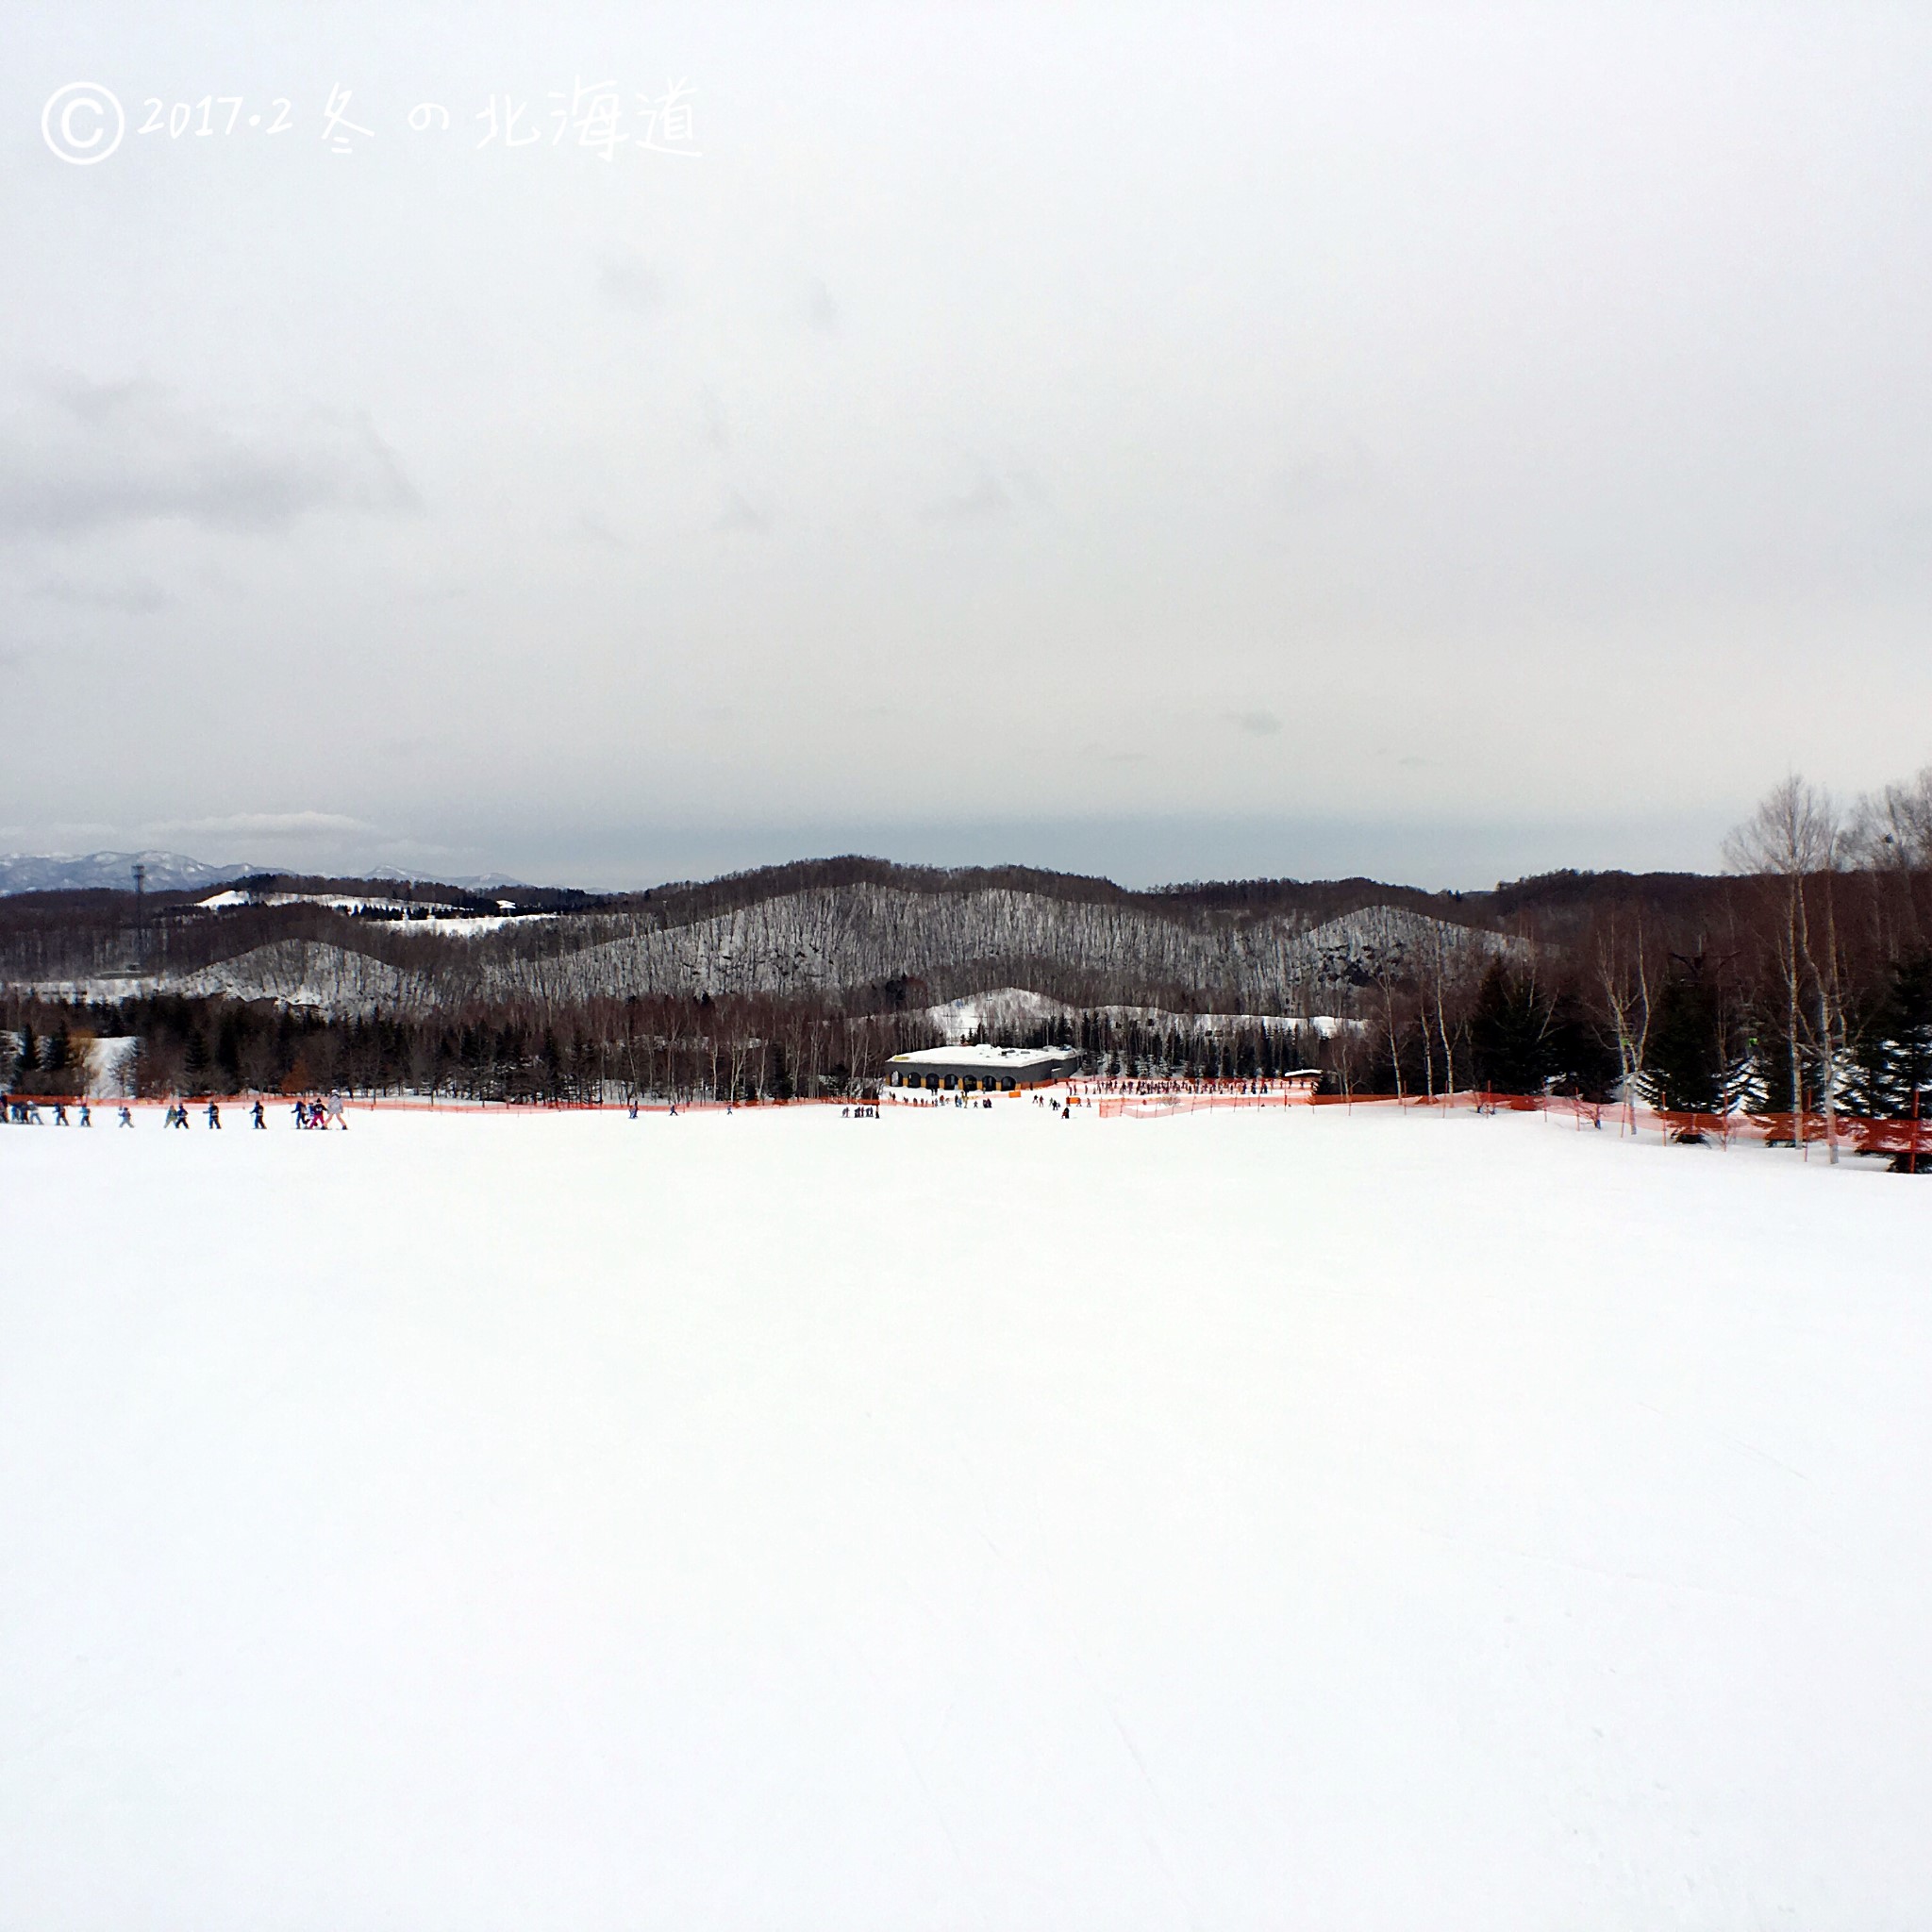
pixel 1628 962
pixel 1795 842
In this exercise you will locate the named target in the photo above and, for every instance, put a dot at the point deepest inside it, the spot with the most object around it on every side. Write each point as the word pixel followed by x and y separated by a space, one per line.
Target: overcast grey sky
pixel 1171 441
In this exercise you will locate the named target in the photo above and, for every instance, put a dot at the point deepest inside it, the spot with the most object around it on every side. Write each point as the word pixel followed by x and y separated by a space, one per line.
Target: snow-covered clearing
pixel 965 1518
pixel 413 916
pixel 1013 1008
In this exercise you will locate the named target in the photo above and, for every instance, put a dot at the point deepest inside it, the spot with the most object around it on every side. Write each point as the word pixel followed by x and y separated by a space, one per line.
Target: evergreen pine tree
pixel 1583 1060
pixel 228 1054
pixel 197 1060
pixel 1508 1033
pixel 1896 1061
pixel 1690 1061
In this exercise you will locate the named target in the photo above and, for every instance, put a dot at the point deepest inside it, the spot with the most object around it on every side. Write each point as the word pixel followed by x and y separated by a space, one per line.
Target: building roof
pixel 997 1060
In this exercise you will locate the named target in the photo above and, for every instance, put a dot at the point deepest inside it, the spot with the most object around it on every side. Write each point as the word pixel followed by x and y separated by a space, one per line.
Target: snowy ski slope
pixel 963 1519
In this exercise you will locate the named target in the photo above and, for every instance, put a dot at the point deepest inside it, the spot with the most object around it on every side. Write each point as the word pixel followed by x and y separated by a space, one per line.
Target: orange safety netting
pixel 1161 1100
pixel 1856 1133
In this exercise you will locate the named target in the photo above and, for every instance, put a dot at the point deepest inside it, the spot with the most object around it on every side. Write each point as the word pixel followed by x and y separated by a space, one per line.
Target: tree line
pixel 606 1050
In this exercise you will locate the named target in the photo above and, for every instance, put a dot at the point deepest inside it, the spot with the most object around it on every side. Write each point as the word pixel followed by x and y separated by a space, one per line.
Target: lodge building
pixel 980 1069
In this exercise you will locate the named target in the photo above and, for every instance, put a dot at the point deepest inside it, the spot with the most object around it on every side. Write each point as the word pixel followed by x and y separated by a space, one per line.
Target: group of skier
pixel 24 1110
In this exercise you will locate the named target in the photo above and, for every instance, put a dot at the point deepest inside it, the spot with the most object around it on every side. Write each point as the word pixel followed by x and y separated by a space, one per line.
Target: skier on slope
pixel 261 1120
pixel 214 1115
pixel 126 1116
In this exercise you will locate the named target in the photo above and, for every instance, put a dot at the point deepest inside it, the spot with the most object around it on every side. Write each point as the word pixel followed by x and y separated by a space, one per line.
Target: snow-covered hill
pixel 66 872
pixel 303 973
pixel 828 938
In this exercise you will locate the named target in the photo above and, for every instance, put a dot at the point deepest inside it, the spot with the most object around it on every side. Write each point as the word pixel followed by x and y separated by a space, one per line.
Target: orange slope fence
pixel 1854 1133
pixel 1144 1100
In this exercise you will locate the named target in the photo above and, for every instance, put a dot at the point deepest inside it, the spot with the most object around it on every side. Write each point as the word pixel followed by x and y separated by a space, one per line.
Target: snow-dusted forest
pixel 1800 980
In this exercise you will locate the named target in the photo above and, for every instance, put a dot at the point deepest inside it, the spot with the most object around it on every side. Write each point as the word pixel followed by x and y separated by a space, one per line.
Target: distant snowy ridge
pixel 65 871
pixel 467 882
pixel 174 872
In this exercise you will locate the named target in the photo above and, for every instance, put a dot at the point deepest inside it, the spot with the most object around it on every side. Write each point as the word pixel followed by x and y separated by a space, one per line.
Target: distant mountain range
pixel 67 872
pixel 469 881
pixel 172 871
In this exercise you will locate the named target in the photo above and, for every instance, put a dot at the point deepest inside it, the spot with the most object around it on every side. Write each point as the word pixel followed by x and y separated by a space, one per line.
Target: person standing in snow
pixel 214 1115
pixel 335 1111
pixel 261 1118
pixel 126 1116
pixel 301 1113
pixel 86 1119
pixel 59 1113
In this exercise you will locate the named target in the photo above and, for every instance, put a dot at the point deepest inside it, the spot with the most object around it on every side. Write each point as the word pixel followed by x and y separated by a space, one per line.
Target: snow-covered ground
pixel 111 1061
pixel 410 915
pixel 964 1518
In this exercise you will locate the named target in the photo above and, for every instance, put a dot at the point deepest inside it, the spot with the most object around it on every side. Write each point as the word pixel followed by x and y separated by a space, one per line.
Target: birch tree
pixel 1793 839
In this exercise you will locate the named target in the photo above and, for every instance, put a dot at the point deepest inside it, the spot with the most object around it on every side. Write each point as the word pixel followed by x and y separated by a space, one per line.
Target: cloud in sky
pixel 130 596
pixel 631 283
pixel 821 310
pixel 742 515
pixel 78 456
pixel 264 825
pixel 977 499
